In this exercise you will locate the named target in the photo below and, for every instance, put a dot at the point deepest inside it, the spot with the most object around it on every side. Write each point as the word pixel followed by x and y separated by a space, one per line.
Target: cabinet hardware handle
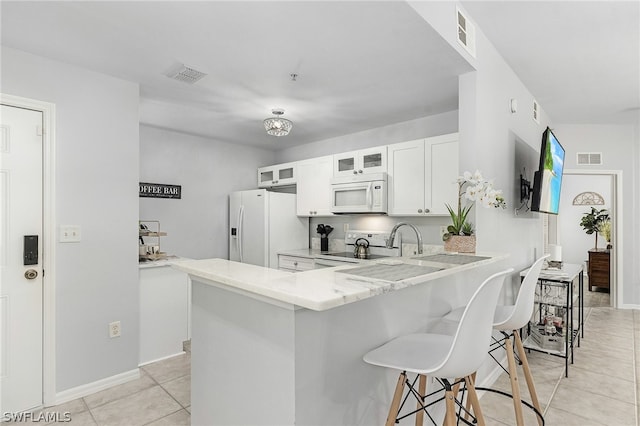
pixel 426 210
pixel 355 172
pixel 359 171
pixel 419 210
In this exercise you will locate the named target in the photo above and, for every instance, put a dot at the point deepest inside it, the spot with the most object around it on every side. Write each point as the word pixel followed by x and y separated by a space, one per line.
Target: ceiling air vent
pixel 466 33
pixel 589 158
pixel 185 74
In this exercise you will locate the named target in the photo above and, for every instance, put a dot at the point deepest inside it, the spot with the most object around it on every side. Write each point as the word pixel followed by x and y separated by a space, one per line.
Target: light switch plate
pixel 69 234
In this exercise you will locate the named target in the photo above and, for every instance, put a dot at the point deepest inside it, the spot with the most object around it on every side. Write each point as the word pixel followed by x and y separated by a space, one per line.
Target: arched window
pixel 588 199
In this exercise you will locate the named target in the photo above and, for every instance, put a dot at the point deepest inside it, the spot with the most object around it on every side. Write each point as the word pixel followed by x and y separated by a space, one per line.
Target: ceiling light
pixel 277 126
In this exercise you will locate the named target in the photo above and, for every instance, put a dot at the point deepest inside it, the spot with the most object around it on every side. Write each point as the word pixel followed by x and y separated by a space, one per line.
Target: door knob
pixel 30 274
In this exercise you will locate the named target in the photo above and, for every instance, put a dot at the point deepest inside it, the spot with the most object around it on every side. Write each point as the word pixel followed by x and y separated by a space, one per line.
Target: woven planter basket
pixel 461 244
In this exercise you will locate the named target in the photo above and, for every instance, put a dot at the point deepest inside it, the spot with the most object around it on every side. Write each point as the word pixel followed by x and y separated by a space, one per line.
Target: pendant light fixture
pixel 277 126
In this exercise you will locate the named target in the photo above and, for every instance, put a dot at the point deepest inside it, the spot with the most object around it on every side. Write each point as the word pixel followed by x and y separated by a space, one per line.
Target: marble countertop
pixel 318 289
pixel 168 261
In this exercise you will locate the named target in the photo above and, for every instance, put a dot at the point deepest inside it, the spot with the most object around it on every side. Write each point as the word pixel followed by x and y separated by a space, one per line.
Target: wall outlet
pixel 114 329
pixel 443 230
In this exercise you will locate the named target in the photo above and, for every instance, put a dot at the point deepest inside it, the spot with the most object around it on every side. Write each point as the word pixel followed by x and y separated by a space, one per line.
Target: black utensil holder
pixel 324 244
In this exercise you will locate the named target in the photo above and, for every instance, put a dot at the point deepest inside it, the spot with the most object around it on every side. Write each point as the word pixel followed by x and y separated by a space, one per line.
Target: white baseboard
pixel 102 384
pixel 142 364
pixel 629 306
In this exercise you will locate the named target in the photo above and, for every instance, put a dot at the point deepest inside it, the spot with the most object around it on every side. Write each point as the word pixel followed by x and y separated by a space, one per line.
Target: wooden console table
pixel 599 269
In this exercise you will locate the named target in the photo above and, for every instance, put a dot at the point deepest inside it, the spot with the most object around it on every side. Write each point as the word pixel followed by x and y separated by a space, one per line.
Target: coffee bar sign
pixel 159 190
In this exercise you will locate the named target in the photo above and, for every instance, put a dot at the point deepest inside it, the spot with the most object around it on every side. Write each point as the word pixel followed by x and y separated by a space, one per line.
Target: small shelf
pixel 558 296
pixel 530 344
pixel 150 252
pixel 146 233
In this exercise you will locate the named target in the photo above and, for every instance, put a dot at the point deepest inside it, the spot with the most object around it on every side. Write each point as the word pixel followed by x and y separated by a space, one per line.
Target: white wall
pixel 619 145
pixel 207 170
pixel 574 240
pixel 96 188
pixel 488 136
pixel 434 125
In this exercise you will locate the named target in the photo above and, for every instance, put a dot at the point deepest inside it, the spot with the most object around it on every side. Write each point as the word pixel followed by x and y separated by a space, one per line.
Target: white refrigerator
pixel 262 223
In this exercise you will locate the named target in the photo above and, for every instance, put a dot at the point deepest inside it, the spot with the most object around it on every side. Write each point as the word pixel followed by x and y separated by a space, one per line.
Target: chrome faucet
pixel 392 236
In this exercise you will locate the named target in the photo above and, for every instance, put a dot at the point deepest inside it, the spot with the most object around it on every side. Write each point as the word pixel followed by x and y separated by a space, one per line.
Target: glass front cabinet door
pixel 372 160
pixel 278 175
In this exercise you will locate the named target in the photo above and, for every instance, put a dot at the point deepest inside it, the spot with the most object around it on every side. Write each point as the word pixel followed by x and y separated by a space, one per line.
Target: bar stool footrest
pixel 535 410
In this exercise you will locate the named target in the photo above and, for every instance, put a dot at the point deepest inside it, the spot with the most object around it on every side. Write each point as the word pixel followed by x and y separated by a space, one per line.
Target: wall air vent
pixel 185 74
pixel 589 158
pixel 466 32
pixel 536 112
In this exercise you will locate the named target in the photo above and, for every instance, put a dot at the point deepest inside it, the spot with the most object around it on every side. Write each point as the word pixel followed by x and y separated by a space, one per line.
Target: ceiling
pixel 580 59
pixel 359 65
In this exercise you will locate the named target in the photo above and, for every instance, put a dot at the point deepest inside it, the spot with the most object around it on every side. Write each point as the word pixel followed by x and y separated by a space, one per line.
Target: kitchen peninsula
pixel 272 347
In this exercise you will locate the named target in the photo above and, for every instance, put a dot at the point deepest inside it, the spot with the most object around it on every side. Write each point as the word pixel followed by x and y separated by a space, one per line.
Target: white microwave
pixel 359 194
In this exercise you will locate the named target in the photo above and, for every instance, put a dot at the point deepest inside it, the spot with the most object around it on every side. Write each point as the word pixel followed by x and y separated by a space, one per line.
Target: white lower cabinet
pixel 295 263
pixel 422 176
pixel 314 187
pixel 165 302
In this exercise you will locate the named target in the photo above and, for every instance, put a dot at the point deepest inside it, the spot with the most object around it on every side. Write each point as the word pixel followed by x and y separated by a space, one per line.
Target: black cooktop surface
pixel 350 255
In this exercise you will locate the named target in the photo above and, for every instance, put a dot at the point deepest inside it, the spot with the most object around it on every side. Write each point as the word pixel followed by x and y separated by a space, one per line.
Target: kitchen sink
pixel 454 259
pixel 390 272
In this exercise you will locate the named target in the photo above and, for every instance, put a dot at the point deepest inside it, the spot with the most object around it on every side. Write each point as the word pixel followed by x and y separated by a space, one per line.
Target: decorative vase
pixel 461 244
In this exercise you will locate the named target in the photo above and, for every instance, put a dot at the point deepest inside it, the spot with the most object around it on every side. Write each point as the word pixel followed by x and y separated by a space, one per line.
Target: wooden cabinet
pixel 599 261
pixel 313 187
pixel 278 175
pixel 422 176
pixel 372 160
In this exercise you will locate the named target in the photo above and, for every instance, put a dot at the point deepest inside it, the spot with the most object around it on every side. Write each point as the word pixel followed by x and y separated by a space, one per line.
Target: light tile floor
pixel 601 388
pixel 160 397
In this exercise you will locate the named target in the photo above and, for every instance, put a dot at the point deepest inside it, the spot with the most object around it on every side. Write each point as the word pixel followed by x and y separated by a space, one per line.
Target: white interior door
pixel 21 286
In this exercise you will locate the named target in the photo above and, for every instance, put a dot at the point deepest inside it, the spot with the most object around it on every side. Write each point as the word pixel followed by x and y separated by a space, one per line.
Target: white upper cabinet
pixel 278 175
pixel 314 187
pixel 422 176
pixel 372 160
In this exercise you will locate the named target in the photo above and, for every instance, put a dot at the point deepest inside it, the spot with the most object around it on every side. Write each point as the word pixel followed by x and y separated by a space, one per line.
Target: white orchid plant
pixel 473 187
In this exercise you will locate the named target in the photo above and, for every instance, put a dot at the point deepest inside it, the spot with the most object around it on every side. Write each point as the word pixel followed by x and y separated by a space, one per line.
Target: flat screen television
pixel 547 181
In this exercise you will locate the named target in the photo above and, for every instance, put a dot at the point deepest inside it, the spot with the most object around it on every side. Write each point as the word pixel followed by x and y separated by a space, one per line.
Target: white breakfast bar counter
pixel 271 347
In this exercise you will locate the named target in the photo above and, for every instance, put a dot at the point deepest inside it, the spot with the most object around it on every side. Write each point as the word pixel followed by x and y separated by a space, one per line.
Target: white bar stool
pixel 508 319
pixel 442 356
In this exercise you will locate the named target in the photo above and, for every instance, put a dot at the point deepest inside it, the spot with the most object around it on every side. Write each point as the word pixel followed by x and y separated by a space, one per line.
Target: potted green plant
pixel 472 187
pixel 592 221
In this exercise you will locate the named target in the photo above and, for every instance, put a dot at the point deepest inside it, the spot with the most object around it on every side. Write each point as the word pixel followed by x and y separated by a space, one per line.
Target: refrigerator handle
pixel 239 238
